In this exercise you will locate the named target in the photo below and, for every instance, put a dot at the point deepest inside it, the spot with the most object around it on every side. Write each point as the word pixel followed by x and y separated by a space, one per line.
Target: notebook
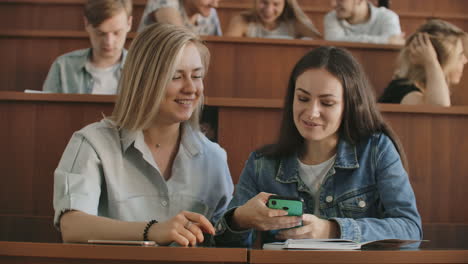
pixel 337 244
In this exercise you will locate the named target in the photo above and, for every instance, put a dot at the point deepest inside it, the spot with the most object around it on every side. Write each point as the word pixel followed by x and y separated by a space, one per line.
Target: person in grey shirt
pixel 197 15
pixel 97 69
pixel 147 172
pixel 361 21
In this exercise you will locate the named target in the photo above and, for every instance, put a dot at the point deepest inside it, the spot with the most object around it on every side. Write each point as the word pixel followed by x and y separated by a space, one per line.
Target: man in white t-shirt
pixel 361 21
pixel 97 69
pixel 198 15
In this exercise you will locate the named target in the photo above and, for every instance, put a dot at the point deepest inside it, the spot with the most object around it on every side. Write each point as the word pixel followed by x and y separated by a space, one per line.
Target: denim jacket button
pixel 329 199
pixel 362 204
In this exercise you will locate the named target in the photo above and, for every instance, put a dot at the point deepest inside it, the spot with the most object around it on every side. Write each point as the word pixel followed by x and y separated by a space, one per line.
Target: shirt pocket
pixel 359 203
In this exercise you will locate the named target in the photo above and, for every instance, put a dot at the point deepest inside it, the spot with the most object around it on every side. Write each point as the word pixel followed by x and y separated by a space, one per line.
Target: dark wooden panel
pixel 51 15
pixel 42 130
pixel 28 229
pixel 237 65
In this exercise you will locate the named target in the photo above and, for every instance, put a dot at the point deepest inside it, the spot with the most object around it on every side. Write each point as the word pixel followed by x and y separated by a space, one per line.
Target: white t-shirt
pixel 105 80
pixel 313 175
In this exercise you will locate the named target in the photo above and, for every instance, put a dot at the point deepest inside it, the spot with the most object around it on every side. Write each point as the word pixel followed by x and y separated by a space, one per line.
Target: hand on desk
pixel 255 214
pixel 313 227
pixel 186 229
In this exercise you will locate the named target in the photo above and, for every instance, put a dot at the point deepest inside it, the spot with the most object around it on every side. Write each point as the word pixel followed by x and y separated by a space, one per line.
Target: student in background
pixel 273 19
pixel 336 153
pixel 361 21
pixel 430 63
pixel 198 15
pixel 97 69
pixel 147 172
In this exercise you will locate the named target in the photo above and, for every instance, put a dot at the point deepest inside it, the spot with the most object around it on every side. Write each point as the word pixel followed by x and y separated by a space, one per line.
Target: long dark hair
pixel 361 118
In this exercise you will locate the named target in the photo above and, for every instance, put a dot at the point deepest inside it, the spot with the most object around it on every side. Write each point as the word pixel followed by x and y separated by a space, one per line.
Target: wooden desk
pixel 348 257
pixel 240 67
pixel 15 252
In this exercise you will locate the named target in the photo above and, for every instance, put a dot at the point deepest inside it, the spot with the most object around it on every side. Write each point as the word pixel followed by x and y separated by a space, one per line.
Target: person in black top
pixel 431 61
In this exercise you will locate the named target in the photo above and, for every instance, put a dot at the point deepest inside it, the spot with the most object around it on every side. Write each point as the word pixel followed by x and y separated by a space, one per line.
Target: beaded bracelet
pixel 145 232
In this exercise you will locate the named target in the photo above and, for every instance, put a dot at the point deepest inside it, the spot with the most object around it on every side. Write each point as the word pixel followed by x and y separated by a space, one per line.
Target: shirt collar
pixel 191 139
pixel 86 55
pixel 346 158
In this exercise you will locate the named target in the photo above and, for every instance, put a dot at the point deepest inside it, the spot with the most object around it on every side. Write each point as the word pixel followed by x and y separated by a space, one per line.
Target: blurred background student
pixel 431 62
pixel 273 19
pixel 147 172
pixel 97 69
pixel 198 15
pixel 361 21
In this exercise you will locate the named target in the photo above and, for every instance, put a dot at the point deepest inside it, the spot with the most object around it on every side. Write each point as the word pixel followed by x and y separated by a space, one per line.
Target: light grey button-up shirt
pixel 382 24
pixel 68 73
pixel 204 25
pixel 109 172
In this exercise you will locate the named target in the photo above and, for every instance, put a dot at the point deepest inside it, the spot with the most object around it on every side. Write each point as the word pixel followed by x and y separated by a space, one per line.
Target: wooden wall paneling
pixel 51 15
pixel 30 59
pixel 18 146
pixel 256 68
pixel 32 145
pixel 241 131
pixel 436 163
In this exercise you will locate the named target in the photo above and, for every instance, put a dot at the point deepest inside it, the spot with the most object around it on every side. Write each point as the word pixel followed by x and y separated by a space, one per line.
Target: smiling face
pixel 109 37
pixel 318 105
pixel 184 89
pixel 270 10
pixel 453 69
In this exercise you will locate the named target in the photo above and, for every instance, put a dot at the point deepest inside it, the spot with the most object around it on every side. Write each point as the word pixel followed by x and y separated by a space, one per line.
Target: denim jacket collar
pixel 346 158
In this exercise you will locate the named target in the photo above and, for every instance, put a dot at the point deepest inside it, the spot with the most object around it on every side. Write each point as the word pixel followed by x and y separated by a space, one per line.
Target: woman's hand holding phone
pixel 313 227
pixel 255 214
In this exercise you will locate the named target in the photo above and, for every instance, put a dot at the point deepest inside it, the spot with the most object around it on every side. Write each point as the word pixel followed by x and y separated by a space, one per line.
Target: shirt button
pixel 362 204
pixel 329 199
pixel 164 203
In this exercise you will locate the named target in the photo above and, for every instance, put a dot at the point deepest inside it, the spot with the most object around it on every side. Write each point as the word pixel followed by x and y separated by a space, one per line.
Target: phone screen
pixel 293 205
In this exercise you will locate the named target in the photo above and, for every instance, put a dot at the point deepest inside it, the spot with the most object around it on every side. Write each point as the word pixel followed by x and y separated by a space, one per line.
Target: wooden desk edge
pixel 87 251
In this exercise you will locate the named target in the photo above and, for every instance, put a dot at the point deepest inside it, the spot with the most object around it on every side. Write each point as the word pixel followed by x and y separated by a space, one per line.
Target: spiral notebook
pixel 337 244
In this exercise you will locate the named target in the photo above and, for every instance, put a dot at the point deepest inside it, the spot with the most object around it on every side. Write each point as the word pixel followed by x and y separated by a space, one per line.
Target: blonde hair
pixel 97 11
pixel 149 67
pixel 443 36
pixel 292 12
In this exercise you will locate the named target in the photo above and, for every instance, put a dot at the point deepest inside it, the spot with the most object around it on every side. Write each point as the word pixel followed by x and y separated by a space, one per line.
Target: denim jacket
pixel 367 192
pixel 68 73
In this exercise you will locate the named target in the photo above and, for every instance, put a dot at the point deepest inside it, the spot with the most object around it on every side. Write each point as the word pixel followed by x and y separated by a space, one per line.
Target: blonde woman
pixel 273 19
pixel 430 63
pixel 147 172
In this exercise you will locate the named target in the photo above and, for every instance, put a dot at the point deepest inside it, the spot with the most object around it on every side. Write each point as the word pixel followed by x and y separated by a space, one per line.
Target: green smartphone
pixel 293 205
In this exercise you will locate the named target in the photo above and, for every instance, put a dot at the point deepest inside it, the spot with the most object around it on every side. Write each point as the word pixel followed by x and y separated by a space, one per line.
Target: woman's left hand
pixel 312 227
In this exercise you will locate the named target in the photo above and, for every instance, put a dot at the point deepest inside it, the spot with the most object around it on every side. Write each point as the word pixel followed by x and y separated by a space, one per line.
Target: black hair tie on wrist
pixel 148 226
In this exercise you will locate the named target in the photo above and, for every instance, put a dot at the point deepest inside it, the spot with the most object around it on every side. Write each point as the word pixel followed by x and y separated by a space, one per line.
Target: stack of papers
pixel 336 244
